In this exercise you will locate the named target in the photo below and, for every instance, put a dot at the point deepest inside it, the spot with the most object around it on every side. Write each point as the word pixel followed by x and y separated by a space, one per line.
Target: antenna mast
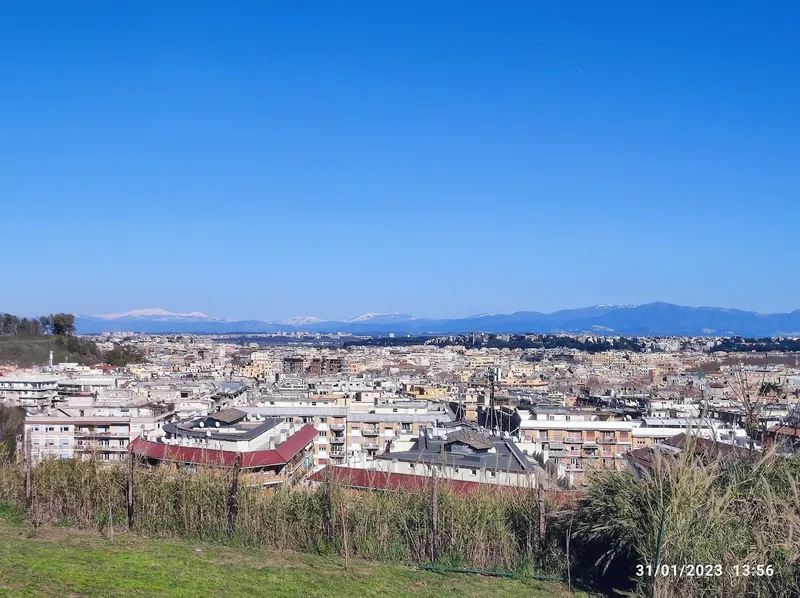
pixel 490 374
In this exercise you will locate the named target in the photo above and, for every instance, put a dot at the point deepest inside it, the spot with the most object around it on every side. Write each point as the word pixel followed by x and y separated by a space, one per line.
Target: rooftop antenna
pixel 51 360
pixel 491 419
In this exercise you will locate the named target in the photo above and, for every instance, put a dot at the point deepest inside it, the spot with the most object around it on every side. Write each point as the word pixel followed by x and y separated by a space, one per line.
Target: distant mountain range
pixel 652 319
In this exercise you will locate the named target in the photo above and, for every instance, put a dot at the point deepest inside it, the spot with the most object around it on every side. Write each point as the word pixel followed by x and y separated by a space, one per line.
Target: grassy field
pixel 64 561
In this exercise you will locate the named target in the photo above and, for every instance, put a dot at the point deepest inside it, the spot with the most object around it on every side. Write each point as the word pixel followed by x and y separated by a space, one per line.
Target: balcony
pixel 337 440
pixel 337 454
pixel 371 446
pixel 338 427
pixel 98 448
pixel 370 431
pixel 607 440
pixel 573 440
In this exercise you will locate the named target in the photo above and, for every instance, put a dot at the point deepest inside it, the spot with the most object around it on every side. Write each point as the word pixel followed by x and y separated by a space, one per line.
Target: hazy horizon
pixel 346 318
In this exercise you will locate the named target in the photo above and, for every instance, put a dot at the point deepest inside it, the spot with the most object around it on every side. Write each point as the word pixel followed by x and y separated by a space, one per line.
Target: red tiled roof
pixel 369 479
pixel 784 430
pixel 280 455
pixel 379 480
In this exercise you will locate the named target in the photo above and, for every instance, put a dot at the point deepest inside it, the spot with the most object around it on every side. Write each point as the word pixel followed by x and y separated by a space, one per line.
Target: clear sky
pixel 275 159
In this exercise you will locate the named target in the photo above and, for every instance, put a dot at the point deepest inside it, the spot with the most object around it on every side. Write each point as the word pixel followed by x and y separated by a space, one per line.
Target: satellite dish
pixel 216 424
pixel 202 424
pixel 208 433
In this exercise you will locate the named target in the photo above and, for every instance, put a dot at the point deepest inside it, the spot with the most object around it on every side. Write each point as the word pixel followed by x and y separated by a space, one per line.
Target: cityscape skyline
pixel 479 159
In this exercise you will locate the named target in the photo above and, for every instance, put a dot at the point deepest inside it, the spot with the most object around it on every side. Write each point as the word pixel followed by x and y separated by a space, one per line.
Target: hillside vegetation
pixel 28 342
pixel 27 351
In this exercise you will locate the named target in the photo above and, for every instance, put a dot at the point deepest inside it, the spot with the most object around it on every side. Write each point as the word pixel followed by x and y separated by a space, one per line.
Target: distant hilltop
pixel 652 319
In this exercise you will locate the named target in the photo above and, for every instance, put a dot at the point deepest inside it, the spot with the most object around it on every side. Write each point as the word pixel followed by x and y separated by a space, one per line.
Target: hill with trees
pixel 27 342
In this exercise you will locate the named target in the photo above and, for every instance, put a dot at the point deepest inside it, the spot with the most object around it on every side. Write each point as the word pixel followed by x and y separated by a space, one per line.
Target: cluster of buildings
pixel 509 417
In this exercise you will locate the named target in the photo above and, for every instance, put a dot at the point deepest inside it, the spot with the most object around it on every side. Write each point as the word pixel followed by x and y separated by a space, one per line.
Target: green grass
pixel 62 561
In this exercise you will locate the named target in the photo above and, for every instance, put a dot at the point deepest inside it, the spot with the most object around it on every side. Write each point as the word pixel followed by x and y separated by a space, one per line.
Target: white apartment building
pixel 34 392
pixel 351 431
pixel 82 432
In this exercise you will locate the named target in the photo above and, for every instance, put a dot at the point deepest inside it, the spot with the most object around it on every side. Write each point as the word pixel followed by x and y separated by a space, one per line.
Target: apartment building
pixel 351 430
pixel 34 392
pixel 86 386
pixel 268 450
pixel 90 431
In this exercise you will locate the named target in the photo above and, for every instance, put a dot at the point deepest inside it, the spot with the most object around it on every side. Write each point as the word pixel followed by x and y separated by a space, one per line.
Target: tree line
pixel 60 324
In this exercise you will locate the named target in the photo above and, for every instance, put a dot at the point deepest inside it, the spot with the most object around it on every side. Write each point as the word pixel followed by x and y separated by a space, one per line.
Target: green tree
pixel 46 323
pixel 63 324
pixel 10 324
pixel 121 356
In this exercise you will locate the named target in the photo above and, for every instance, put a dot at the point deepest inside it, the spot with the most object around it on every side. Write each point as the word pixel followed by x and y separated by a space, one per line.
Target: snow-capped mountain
pixel 375 317
pixel 156 313
pixel 645 320
pixel 301 321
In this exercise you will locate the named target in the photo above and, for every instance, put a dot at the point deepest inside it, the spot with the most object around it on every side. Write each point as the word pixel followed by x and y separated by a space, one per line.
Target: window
pixel 64 429
pixel 640 442
pixel 405 427
pixel 35 428
pixel 474 471
pixel 49 429
pixel 323 420
pixel 50 442
pixel 493 474
pixel 290 420
pixel 323 434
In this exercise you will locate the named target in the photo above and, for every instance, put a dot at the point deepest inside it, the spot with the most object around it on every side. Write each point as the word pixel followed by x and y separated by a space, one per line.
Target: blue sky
pixel 268 159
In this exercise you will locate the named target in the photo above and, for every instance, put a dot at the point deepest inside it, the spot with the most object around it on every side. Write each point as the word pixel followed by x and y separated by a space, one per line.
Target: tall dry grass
pixel 492 530
pixel 743 511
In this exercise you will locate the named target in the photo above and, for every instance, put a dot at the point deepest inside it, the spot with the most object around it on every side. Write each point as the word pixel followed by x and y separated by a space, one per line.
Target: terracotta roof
pixel 367 479
pixel 280 455
pixel 785 430
pixel 379 480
